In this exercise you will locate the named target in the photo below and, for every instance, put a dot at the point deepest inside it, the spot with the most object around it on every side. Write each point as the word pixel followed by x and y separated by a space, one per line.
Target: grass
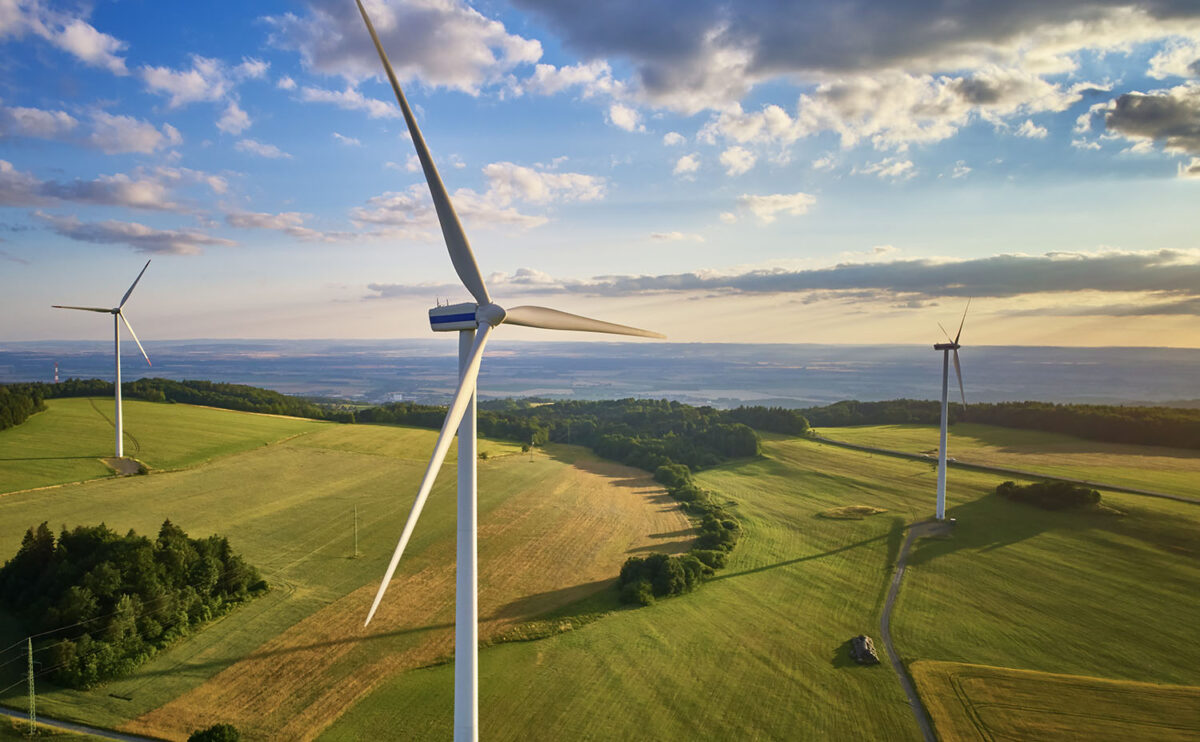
pixel 568 521
pixel 1171 470
pixel 851 512
pixel 761 652
pixel 972 702
pixel 12 729
pixel 67 441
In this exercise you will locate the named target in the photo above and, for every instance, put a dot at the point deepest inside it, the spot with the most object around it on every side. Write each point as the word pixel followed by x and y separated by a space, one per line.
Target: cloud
pixel 286 83
pixel 624 117
pixel 1168 116
pixel 114 134
pixel 145 189
pixel 290 223
pixel 350 99
pixel 687 164
pixel 673 139
pixel 737 160
pixel 767 208
pixel 348 141
pixel 138 236
pixel 234 120
pixel 889 168
pixel 254 147
pixel 592 78
pixel 16 121
pixel 69 33
pixel 1030 130
pixel 1179 58
pixel 676 237
pixel 1190 170
pixel 708 54
pixel 206 80
pixel 443 42
pixel 508 184
pixel 961 170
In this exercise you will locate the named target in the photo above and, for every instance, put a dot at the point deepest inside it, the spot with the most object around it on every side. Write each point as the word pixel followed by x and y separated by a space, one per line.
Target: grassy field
pixel 67 442
pixel 1171 470
pixel 972 702
pixel 552 531
pixel 761 651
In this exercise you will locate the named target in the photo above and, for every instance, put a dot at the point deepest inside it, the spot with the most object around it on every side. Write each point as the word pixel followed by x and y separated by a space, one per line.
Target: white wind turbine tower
pixel 118 318
pixel 947 349
pixel 474 322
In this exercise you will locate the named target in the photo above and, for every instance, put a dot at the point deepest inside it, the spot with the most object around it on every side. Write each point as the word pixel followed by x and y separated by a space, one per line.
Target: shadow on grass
pixel 991 522
pixel 798 560
pixel 561 603
pixel 54 458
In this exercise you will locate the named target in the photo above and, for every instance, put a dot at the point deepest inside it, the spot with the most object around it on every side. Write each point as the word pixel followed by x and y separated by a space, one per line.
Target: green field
pixel 67 442
pixel 972 702
pixel 760 652
pixel 1171 470
pixel 288 508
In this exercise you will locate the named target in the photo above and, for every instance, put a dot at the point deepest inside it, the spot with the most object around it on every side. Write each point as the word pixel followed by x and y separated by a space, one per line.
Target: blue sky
pixel 789 172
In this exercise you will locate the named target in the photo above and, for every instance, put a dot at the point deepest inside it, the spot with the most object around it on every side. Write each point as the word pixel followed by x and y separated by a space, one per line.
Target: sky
pixel 759 171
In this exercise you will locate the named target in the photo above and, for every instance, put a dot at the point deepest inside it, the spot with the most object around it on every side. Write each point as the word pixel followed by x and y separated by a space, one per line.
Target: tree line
pixel 107 602
pixel 1156 426
pixel 17 403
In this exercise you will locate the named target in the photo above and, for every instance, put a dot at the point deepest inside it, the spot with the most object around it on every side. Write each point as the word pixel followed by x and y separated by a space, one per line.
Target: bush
pixel 216 733
pixel 1050 495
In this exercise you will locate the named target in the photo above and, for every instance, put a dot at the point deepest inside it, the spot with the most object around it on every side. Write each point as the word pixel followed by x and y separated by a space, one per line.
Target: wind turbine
pixel 947 349
pixel 474 322
pixel 118 318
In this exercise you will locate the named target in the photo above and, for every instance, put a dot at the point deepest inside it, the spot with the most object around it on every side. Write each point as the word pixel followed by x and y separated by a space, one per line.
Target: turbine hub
pixel 492 314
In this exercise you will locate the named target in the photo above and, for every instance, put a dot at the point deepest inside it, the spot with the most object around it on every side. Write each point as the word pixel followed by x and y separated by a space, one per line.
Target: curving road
pixel 918 530
pixel 77 728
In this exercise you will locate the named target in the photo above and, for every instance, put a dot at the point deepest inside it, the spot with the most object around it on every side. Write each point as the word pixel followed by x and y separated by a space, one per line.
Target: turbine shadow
pixel 810 557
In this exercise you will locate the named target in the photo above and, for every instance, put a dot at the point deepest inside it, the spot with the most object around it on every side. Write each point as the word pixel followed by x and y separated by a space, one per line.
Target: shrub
pixel 216 733
pixel 1050 495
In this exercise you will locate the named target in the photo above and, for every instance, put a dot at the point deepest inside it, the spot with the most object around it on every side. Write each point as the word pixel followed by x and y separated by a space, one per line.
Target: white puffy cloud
pixel 140 237
pixel 673 139
pixel 687 164
pixel 767 208
pixel 737 160
pixel 290 223
pixel 508 184
pixel 114 134
pixel 19 188
pixel 64 30
pixel 144 189
pixel 443 42
pixel 348 141
pixel 1030 130
pixel 624 117
pixel 286 83
pixel 206 80
pixel 961 170
pixel 590 78
pixel 1191 169
pixel 1179 58
pixel 350 99
pixel 234 120
pixel 255 147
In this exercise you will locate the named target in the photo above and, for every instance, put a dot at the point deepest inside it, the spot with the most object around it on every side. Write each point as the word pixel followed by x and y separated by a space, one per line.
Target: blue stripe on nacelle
pixel 441 319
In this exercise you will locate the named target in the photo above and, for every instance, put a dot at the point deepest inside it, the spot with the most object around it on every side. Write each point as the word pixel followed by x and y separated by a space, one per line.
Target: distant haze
pixel 718 374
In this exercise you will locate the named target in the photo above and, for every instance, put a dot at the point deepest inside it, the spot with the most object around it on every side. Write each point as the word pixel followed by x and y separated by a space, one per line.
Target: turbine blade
pixel 552 319
pixel 943 329
pixel 84 309
pixel 958 370
pixel 458 407
pixel 456 240
pixel 135 338
pixel 964 321
pixel 125 298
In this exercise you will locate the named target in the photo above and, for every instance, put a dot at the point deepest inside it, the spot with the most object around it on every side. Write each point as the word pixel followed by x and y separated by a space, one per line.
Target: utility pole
pixel 32 695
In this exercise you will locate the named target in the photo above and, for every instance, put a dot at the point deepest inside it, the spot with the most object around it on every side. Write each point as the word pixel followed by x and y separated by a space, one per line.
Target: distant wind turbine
pixel 947 349
pixel 474 322
pixel 118 318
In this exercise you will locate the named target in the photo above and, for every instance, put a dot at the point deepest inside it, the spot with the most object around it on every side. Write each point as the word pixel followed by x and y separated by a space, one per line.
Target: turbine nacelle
pixel 946 346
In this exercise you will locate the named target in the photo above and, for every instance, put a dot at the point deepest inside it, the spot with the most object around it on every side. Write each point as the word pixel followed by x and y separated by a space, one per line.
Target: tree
pixel 216 733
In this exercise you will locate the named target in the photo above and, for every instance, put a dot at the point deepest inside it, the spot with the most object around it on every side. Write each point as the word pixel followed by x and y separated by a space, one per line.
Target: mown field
pixel 66 442
pixel 553 531
pixel 973 702
pixel 1172 470
pixel 760 652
